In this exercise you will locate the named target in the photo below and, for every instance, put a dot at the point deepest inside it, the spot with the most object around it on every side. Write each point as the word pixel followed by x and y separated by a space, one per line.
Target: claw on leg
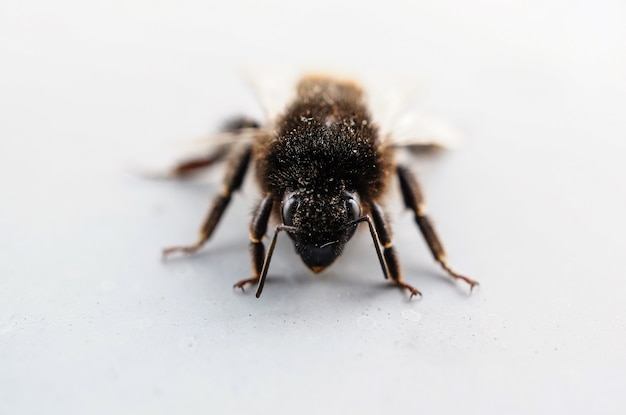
pixel 412 290
pixel 241 284
pixel 472 283
pixel 185 250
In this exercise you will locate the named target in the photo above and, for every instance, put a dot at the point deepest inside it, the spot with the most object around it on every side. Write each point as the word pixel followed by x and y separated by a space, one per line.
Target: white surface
pixel 533 207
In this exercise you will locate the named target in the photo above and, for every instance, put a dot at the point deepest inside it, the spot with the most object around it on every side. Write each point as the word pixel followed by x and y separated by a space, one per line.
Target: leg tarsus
pixel 412 290
pixel 472 283
pixel 241 284
pixel 185 250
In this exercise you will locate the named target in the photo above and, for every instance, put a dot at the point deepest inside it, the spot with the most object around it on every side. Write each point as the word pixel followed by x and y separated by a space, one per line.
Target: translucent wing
pixel 274 87
pixel 419 129
pixel 394 104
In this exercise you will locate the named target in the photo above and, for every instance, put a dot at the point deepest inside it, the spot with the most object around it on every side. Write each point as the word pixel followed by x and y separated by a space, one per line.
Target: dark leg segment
pixel 191 166
pixel 233 179
pixel 258 228
pixel 389 253
pixel 235 127
pixel 413 199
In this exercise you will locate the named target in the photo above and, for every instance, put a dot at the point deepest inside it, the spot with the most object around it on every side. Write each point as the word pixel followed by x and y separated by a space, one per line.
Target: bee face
pixel 323 222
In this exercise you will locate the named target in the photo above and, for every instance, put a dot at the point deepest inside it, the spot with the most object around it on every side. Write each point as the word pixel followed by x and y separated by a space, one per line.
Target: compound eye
pixel 354 208
pixel 290 204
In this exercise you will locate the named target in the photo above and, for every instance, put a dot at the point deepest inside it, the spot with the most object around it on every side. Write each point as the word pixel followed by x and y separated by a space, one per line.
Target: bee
pixel 323 166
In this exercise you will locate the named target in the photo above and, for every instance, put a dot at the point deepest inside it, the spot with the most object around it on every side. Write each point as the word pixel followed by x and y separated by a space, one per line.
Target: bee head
pixel 323 223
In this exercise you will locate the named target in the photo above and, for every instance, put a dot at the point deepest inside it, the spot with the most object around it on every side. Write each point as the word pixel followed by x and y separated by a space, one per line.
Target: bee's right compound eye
pixel 354 209
pixel 290 204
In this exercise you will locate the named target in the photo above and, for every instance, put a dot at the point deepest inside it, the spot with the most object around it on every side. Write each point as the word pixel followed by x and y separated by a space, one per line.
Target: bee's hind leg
pixel 235 127
pixel 235 173
pixel 191 166
pixel 414 200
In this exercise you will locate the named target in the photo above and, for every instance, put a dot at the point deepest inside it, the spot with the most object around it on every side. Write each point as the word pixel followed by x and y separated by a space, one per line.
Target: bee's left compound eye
pixel 290 204
pixel 354 208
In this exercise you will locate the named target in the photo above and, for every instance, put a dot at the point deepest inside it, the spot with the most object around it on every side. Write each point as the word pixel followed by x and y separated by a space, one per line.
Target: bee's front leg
pixel 389 253
pixel 258 228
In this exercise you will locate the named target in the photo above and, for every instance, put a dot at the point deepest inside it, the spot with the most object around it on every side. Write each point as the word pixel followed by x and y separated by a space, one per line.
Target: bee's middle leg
pixel 235 173
pixel 414 200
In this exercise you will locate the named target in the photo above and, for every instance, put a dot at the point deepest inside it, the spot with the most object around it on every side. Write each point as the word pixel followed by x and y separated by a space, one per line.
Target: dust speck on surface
pixel 411 315
pixel 188 343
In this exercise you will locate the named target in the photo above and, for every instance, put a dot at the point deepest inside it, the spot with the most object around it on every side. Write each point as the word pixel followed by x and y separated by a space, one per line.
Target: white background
pixel 532 206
